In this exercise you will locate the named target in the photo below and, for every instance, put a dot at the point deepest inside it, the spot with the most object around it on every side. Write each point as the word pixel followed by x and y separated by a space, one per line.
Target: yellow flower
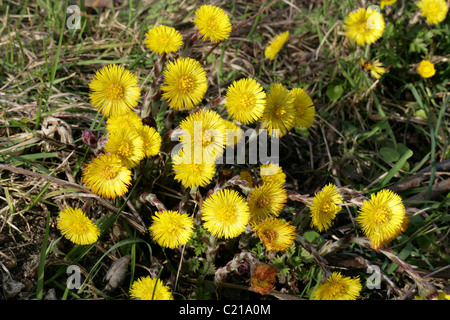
pixel 171 229
pixel 107 176
pixel 114 90
pixel 304 107
pixel 382 217
pixel 434 10
pixel 122 121
pixel 426 69
pixel 76 226
pixel 325 206
pixel 245 100
pixel 279 115
pixel 266 200
pixel 204 131
pixel 275 234
pixel 191 173
pixel 364 26
pixel 152 140
pixel 272 173
pixel 163 39
pixel 213 23
pixel 184 83
pixel 233 133
pixel 128 145
pixel 144 289
pixel 225 214
pixel 441 296
pixel 386 3
pixel 338 287
pixel 275 45
pixel 376 68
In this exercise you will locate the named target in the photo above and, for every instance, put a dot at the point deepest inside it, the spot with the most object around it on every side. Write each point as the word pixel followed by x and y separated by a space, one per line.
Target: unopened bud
pixel 90 138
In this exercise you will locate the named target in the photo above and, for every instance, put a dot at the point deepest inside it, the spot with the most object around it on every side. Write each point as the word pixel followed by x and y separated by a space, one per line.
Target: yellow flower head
pixel 426 69
pixel 266 200
pixel 382 217
pixel 192 173
pixel 325 206
pixel 225 214
pixel 128 145
pixel 107 176
pixel 114 90
pixel 376 68
pixel 272 173
pixel 171 229
pixel 245 100
pixel 275 234
pixel 442 295
pixel 163 39
pixel 204 131
pixel 152 140
pixel 144 289
pixel 434 10
pixel 338 287
pixel 364 26
pixel 76 226
pixel 275 45
pixel 304 108
pixel 122 121
pixel 213 23
pixel 184 83
pixel 279 115
pixel 386 3
pixel 233 133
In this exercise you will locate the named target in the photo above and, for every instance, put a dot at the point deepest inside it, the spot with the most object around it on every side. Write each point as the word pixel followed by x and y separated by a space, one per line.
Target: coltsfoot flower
pixel 275 45
pixel 128 145
pixel 225 214
pixel 276 234
pixel 107 176
pixel 304 108
pixel 376 68
pixel 338 287
pixel 426 69
pixel 364 26
pixel 171 229
pixel 144 289
pixel 245 100
pixel 279 114
pixel 325 206
pixel 213 23
pixel 434 10
pixel 77 227
pixel 382 217
pixel 265 201
pixel 184 83
pixel 115 90
pixel 163 39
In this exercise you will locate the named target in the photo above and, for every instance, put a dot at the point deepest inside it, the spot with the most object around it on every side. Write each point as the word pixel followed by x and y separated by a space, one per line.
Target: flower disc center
pixel 115 91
